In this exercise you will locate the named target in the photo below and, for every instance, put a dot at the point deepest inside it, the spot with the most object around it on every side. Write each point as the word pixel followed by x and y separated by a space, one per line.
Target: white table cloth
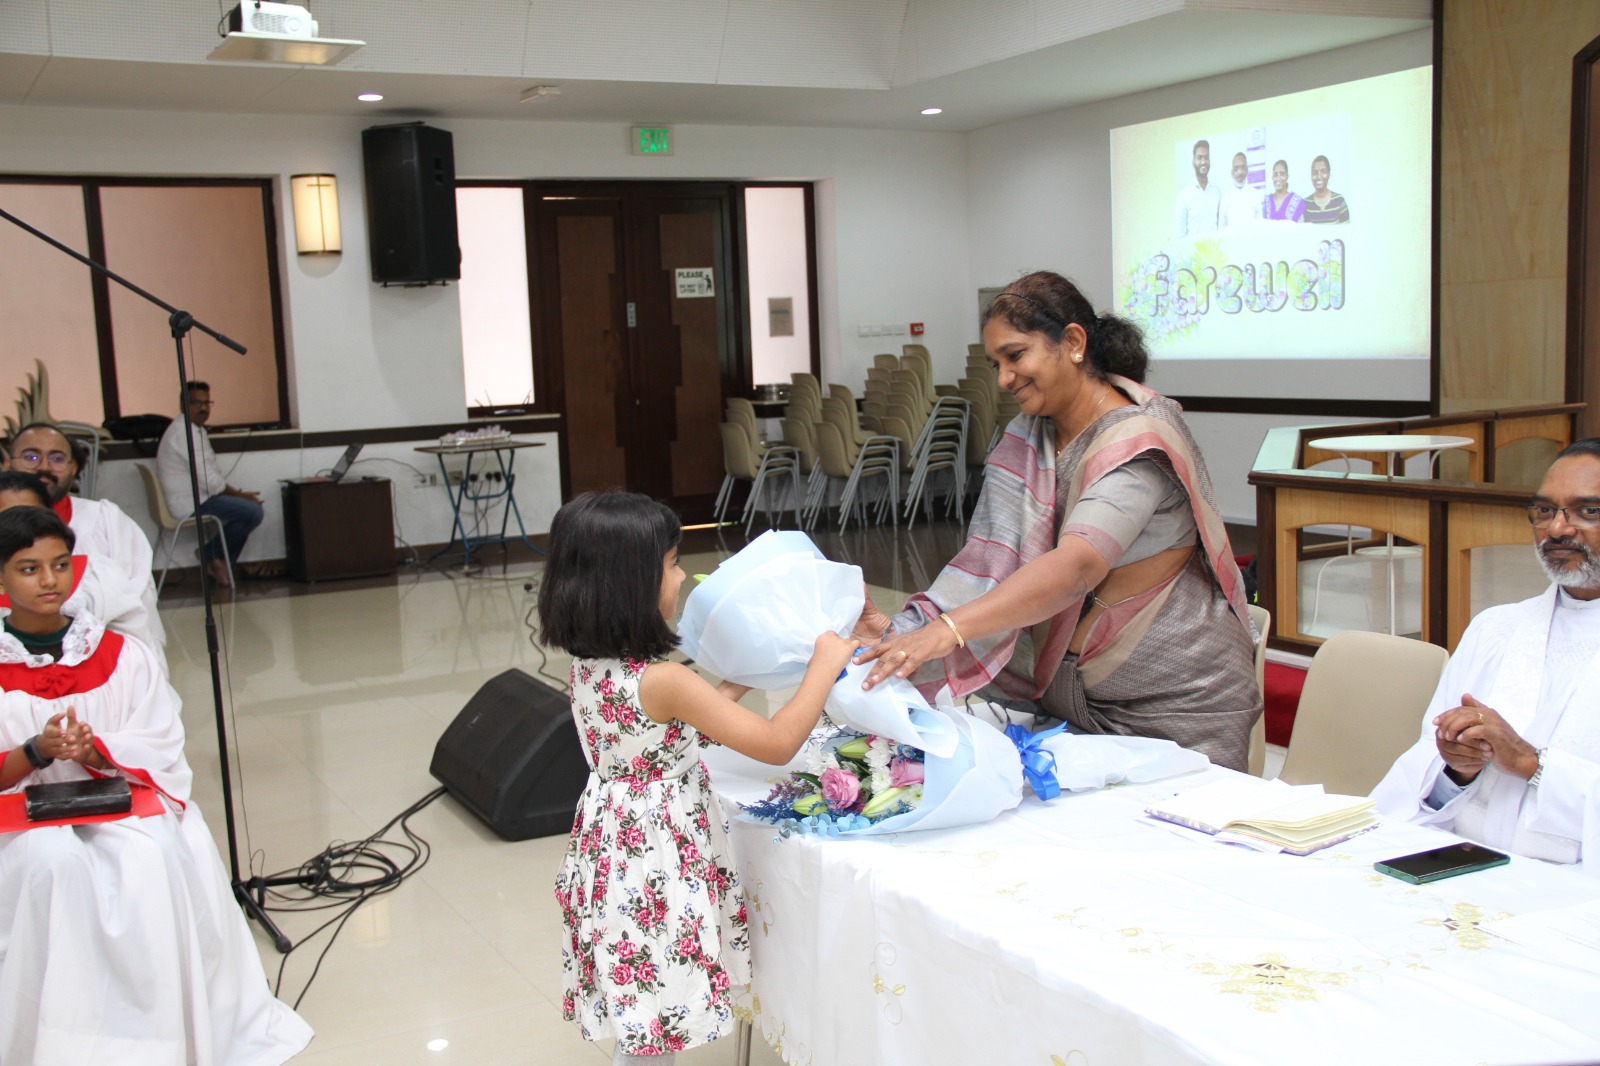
pixel 1080 933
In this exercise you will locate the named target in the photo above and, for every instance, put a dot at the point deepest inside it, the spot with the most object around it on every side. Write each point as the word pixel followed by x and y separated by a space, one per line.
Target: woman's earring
pixel 1078 358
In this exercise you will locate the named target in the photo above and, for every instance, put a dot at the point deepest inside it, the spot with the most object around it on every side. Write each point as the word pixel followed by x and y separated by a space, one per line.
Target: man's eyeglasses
pixel 55 459
pixel 1584 517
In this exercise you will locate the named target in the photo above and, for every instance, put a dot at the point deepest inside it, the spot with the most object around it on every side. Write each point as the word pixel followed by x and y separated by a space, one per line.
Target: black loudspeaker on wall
pixel 411 203
pixel 512 757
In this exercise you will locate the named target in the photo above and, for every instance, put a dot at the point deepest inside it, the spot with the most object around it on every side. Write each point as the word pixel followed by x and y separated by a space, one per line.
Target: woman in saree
pixel 1280 204
pixel 1097 580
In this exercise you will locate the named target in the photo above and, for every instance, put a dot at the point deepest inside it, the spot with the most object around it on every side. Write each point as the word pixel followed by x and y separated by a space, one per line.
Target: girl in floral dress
pixel 655 918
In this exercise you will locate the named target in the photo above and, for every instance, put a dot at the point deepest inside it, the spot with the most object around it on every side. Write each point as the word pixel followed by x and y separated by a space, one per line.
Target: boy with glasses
pixel 100 526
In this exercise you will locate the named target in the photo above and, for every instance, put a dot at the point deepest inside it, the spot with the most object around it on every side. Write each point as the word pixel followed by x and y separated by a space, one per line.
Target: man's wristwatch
pixel 1538 771
pixel 31 750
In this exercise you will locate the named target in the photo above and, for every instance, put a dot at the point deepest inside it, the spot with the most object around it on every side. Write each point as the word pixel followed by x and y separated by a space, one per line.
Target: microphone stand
pixel 181 322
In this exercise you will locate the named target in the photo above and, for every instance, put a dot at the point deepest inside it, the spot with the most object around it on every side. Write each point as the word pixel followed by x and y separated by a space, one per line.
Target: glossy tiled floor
pixel 337 701
pixel 338 694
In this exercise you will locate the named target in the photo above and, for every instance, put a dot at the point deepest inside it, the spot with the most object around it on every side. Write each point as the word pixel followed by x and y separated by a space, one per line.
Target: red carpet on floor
pixel 1282 684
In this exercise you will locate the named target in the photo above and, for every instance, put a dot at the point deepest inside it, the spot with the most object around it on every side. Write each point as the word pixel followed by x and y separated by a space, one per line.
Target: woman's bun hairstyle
pixel 1043 302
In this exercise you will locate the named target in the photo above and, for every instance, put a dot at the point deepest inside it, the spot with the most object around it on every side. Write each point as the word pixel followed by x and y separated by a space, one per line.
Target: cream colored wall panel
pixel 1506 85
pixel 1505 345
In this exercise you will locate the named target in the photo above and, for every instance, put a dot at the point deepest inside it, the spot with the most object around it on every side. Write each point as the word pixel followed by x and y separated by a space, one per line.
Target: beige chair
pixel 1362 706
pixel 1258 733
pixel 172 526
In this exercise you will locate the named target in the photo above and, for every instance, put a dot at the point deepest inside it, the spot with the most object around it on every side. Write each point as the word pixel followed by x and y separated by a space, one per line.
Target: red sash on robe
pixel 80 566
pixel 54 681
pixel 63 509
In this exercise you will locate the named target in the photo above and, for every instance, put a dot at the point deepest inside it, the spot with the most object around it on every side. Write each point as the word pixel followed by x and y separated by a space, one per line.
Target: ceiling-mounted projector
pixel 263 32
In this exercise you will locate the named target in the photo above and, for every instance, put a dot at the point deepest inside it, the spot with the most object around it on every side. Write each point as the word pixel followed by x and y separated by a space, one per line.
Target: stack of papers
pixel 1298 819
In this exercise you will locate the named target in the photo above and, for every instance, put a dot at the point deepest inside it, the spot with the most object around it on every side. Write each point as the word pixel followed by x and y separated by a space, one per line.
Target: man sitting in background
pixel 239 510
pixel 100 526
pixel 1510 747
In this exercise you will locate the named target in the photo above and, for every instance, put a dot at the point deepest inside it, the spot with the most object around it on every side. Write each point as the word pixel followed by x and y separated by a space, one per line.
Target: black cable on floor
pixel 346 875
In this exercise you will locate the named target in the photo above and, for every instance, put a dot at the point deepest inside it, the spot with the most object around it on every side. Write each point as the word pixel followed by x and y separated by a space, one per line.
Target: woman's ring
pixel 1480 717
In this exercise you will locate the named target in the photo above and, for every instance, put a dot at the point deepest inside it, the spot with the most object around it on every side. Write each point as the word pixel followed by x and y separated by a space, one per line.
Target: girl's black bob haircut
pixel 601 594
pixel 21 527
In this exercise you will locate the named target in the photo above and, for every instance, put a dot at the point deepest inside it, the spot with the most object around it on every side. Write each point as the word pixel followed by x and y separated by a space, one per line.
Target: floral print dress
pixel 656 926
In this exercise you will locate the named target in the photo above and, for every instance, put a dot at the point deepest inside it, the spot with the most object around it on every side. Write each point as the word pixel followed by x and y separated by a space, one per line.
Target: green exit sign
pixel 651 140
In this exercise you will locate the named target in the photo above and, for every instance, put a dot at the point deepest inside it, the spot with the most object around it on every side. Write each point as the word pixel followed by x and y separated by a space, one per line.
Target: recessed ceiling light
pixel 933 111
pixel 438 1044
pixel 370 98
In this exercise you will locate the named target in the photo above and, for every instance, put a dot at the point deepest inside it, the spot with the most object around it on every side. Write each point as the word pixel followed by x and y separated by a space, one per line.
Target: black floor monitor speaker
pixel 512 756
pixel 411 203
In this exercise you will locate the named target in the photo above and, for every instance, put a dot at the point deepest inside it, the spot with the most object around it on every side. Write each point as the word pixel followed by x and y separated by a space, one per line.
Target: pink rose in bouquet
pixel 840 788
pixel 905 772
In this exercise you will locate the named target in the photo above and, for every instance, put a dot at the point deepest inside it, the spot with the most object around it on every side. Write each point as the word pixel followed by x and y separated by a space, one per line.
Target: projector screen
pixel 1281 248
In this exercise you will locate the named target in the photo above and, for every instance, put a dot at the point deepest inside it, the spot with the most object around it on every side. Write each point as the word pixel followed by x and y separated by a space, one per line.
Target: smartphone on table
pixel 1439 863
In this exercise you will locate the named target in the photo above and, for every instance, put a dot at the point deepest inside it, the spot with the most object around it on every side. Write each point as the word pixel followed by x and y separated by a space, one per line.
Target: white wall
pixel 1041 200
pixel 892 245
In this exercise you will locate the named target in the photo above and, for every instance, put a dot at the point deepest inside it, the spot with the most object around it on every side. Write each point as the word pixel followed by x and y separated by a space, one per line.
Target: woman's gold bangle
pixel 960 642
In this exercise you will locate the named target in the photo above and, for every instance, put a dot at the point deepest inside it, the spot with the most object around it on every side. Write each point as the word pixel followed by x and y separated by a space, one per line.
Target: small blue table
pixel 469 489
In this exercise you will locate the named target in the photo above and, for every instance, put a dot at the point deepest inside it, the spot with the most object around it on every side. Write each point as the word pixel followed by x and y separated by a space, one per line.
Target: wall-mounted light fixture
pixel 316 213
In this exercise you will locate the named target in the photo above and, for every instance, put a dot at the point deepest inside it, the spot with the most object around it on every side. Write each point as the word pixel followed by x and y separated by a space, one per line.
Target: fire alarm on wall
pixel 916 329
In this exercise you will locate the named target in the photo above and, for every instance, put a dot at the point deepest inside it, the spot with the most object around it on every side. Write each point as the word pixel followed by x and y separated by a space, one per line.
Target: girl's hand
pixel 833 652
pixel 901 655
pixel 55 740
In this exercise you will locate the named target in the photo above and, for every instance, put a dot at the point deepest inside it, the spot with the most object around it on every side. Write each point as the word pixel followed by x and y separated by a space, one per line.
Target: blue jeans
pixel 239 519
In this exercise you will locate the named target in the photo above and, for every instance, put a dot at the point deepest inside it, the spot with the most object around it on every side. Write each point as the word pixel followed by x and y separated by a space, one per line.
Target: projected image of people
pixel 1324 205
pixel 1199 203
pixel 1241 203
pixel 1281 205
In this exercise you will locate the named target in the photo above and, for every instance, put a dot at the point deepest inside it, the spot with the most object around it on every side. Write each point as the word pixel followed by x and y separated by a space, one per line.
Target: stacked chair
pixel 940 447
pixel 746 458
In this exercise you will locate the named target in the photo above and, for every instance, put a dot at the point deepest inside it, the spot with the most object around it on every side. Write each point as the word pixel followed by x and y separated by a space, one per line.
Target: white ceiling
pixel 850 63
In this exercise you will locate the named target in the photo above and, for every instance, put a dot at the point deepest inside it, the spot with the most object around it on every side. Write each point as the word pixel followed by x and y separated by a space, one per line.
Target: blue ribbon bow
pixel 1038 762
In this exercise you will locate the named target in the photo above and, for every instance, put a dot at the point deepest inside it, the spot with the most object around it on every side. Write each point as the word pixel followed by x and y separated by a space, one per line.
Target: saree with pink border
pixel 1175 662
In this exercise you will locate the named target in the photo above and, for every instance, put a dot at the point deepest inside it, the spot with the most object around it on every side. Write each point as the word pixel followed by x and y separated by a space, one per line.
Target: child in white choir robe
pixel 101 585
pixel 120 942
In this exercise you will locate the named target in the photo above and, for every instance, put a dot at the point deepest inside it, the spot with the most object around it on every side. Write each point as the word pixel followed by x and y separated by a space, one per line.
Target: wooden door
pixel 640 317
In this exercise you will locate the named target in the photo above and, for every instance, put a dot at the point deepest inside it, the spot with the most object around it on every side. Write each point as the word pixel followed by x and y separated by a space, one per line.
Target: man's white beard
pixel 1585 576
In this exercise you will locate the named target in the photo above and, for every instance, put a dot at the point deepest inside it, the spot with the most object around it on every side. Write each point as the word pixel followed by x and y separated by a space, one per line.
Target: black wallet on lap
pixel 71 799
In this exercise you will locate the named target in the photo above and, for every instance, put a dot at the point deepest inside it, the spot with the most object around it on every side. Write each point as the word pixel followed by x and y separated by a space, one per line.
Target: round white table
pixel 1389 445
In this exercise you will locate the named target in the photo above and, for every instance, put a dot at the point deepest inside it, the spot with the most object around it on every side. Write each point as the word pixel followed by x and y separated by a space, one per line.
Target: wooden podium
pixel 334 529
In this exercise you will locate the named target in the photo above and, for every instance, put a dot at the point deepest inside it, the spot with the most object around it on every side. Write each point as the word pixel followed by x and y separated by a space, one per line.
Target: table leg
pixel 741 1043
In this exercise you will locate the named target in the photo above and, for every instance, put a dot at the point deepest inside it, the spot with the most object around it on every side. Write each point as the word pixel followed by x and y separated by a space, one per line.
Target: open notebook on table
pixel 1298 819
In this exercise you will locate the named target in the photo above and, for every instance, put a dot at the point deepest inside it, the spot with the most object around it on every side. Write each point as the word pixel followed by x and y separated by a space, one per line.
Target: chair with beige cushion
pixel 171 525
pixel 1361 707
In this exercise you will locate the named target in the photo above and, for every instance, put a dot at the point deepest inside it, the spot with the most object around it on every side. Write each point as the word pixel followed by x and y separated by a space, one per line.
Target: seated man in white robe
pixel 99 585
pixel 100 525
pixel 1510 749
pixel 120 942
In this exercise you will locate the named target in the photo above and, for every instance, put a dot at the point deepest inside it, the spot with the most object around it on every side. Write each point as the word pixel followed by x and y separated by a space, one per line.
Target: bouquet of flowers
pixel 850 782
pixel 755 620
pixel 857 784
